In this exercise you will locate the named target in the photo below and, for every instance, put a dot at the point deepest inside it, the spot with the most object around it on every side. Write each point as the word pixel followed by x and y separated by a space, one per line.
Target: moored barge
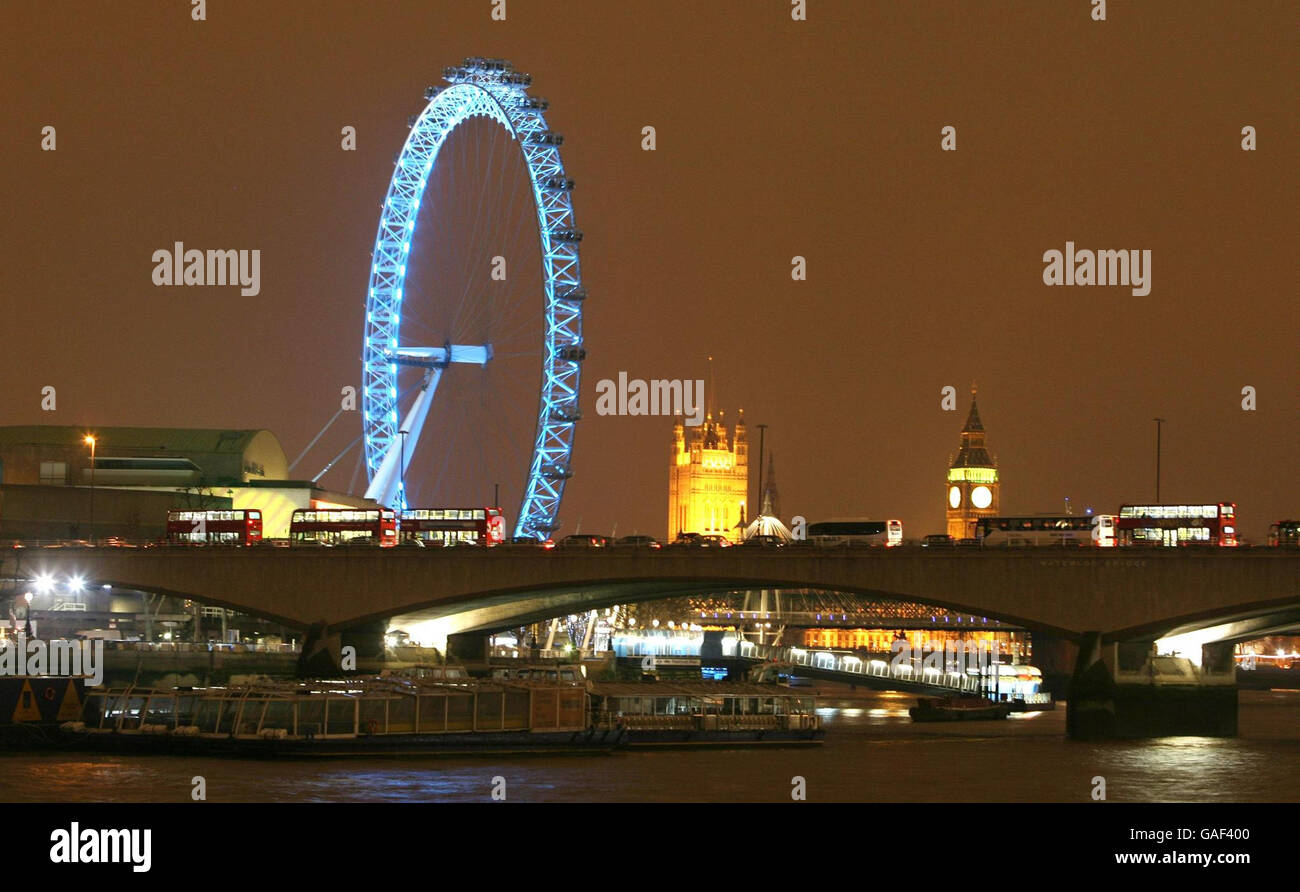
pixel 706 714
pixel 442 715
pixel 957 709
pixel 344 717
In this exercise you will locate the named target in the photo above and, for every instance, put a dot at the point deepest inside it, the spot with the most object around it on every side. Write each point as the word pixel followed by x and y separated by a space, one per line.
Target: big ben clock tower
pixel 972 479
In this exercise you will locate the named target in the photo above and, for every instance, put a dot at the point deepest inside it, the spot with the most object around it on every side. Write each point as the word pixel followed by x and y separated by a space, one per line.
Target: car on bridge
pixel 699 540
pixel 763 541
pixel 937 540
pixel 583 540
pixel 527 542
pixel 638 542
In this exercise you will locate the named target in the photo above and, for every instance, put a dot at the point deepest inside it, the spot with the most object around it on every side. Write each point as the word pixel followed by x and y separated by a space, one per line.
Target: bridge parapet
pixel 1127 594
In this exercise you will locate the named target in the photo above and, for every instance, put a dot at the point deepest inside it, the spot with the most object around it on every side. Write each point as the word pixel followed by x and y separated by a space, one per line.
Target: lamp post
pixel 1159 423
pixel 403 470
pixel 90 441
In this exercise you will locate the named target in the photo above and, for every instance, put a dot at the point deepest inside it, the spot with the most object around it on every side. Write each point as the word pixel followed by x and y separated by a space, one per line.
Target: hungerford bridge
pixel 1111 604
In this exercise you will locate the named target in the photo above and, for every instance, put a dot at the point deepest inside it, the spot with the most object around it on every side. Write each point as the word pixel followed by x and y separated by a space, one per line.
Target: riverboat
pixel 957 709
pixel 706 714
pixel 364 716
pixel 446 714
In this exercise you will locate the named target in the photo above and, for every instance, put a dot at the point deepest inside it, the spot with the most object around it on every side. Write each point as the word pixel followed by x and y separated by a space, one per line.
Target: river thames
pixel 873 752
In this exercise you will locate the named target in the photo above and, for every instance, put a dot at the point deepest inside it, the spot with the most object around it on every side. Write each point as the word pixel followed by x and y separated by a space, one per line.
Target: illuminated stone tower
pixel 708 479
pixel 972 479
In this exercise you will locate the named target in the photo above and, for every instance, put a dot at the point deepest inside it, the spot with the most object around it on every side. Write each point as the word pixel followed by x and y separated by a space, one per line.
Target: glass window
pixel 374 715
pixel 488 710
pixel 161 710
pixel 229 709
pixel 93 712
pixel 54 473
pixel 342 716
pixel 251 716
pixel 208 712
pixel 460 716
pixel 311 715
pixel 131 713
pixel 401 715
pixel 279 714
pixel 433 712
pixel 517 704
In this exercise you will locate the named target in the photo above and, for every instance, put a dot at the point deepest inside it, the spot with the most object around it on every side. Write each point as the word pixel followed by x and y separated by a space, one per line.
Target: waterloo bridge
pixel 1111 604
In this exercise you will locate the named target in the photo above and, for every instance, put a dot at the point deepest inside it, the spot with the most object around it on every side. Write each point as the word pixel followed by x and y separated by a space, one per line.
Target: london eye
pixel 475 296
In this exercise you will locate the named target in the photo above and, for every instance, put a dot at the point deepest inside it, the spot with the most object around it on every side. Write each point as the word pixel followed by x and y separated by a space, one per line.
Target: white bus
pixel 856 532
pixel 1022 532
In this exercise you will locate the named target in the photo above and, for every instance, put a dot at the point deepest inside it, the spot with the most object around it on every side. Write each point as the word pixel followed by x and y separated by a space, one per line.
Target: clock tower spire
pixel 972 488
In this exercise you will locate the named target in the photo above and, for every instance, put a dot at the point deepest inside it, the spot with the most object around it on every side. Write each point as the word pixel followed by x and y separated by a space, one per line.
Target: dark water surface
pixel 873 752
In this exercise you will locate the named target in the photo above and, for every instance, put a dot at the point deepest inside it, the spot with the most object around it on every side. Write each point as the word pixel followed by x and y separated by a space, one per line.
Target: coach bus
pixel 343 526
pixel 1177 525
pixel 856 532
pixel 224 527
pixel 1083 530
pixel 1284 534
pixel 453 526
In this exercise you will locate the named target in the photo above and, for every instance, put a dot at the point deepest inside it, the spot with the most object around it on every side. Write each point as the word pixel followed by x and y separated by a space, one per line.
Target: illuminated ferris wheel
pixel 498 240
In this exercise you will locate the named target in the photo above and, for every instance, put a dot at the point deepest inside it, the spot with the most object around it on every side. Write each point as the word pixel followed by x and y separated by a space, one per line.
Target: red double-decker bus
pixel 343 526
pixel 222 527
pixel 1175 525
pixel 453 526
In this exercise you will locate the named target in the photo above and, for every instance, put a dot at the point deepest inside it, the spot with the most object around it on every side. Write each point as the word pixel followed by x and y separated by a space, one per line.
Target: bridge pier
pixel 467 646
pixel 1055 656
pixel 1124 690
pixel 322 652
pixel 368 640
pixel 322 649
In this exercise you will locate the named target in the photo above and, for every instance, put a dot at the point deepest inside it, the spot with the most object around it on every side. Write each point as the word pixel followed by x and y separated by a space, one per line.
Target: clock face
pixel 981 497
pixel 954 496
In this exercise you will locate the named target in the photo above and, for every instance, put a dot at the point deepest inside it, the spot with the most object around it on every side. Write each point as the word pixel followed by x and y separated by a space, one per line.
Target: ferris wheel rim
pixel 483 88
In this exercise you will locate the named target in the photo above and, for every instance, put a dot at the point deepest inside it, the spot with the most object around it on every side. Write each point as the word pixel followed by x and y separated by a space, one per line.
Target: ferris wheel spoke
pixel 493 244
pixel 471 255
pixel 479 254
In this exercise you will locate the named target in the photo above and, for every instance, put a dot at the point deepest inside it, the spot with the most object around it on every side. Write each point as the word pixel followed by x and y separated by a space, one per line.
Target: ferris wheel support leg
pixel 387 482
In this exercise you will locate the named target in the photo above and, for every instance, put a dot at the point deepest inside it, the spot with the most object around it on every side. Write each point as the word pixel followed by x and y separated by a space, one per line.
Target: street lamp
pixel 90 441
pixel 403 470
